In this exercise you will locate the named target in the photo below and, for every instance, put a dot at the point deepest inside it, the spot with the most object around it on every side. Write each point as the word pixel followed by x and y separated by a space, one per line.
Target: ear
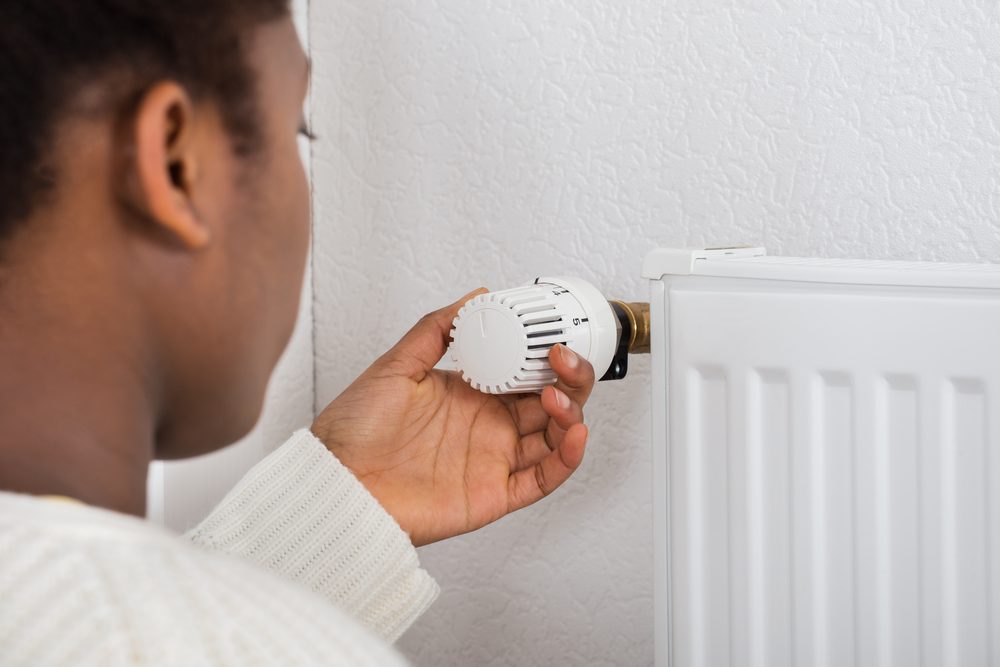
pixel 163 165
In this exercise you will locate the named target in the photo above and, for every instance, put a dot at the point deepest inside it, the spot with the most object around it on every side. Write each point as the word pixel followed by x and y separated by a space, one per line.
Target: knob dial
pixel 501 340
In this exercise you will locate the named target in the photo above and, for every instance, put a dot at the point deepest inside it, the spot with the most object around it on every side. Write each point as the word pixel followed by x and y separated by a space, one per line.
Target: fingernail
pixel 569 356
pixel 562 400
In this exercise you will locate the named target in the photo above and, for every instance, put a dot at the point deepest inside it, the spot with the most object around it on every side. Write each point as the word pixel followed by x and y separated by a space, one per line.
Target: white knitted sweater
pixel 299 565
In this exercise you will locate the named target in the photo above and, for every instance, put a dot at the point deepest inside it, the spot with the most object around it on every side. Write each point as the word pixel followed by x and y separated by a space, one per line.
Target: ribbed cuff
pixel 303 515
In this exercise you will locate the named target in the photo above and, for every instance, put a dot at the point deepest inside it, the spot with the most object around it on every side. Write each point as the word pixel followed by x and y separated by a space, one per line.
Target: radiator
pixel 826 460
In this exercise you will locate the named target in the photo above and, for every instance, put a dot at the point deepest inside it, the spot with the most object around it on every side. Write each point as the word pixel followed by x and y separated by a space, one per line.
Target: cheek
pixel 269 254
pixel 295 221
pixel 299 210
pixel 290 238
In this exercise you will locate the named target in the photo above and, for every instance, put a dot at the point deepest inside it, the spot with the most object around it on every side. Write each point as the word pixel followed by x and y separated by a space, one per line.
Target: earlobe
pixel 162 165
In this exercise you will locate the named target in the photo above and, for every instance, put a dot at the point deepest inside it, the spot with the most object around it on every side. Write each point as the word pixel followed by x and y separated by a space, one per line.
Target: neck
pixel 76 415
pixel 57 445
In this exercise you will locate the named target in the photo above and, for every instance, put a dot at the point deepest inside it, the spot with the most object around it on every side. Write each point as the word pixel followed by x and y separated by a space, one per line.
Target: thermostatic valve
pixel 501 340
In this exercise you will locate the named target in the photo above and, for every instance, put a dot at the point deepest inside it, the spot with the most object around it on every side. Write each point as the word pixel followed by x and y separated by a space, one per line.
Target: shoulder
pixel 70 574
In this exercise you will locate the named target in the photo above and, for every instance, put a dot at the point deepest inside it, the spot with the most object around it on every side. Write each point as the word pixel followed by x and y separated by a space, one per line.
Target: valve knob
pixel 501 340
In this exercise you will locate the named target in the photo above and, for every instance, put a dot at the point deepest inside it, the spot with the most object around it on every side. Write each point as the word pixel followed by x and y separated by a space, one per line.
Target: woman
pixel 153 235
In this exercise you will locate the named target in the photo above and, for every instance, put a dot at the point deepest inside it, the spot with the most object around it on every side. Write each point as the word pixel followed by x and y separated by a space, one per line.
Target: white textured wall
pixel 467 143
pixel 181 493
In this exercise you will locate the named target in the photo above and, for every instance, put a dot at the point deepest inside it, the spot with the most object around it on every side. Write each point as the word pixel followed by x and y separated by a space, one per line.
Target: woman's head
pixel 152 196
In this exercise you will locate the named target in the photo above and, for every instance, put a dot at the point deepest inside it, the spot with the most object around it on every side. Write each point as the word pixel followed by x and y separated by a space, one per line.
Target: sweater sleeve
pixel 303 515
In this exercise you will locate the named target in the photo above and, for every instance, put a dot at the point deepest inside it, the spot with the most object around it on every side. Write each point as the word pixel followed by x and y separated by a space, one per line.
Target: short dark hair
pixel 51 49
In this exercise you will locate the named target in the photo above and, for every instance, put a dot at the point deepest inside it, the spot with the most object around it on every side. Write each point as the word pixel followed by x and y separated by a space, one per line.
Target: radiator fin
pixel 800 497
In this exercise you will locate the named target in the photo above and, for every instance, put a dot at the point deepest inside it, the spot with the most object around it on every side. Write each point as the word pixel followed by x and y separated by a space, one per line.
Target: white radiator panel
pixel 830 490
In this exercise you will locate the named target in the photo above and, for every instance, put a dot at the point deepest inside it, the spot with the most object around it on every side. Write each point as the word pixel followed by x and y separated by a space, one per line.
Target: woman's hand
pixel 443 458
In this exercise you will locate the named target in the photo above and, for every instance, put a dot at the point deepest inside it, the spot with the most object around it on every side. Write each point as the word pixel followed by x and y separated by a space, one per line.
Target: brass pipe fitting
pixel 638 317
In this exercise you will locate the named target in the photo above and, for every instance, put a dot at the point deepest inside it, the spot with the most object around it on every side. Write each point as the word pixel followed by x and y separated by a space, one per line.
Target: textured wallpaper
pixel 484 143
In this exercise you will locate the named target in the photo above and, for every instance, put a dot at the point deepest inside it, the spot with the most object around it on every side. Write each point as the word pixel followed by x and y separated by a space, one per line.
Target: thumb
pixel 422 347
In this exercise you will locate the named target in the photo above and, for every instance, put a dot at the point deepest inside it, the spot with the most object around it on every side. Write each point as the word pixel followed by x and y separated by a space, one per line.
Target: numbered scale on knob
pixel 501 340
